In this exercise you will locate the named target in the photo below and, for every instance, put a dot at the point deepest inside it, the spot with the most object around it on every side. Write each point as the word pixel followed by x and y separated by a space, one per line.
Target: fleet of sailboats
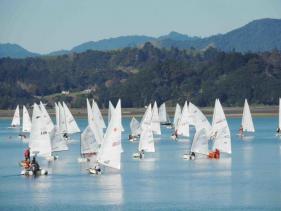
pixel 47 138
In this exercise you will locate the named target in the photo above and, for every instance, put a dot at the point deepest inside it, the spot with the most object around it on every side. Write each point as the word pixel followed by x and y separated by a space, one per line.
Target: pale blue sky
pixel 48 25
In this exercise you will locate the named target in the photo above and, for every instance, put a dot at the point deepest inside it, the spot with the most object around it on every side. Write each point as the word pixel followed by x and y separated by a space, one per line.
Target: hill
pixel 142 75
pixel 14 51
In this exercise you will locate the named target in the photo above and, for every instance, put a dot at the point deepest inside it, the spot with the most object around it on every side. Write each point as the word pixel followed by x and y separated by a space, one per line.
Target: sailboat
pixel 247 124
pixel 71 125
pixel 135 129
pixel 278 131
pixel 39 142
pixel 110 110
pixel 16 118
pixel 155 120
pixel 109 154
pixel 183 123
pixel 220 133
pixel 48 121
pixel 146 143
pixel 91 138
pixel 26 124
pixel 199 145
pixel 163 116
pixel 198 119
pixel 98 115
pixel 177 116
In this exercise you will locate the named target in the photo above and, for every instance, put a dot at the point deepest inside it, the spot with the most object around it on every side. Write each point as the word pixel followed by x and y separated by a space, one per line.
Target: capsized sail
pixel 16 118
pixel 247 121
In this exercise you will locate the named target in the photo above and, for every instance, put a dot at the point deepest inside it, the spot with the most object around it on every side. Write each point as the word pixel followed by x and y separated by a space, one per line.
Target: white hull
pixel 30 173
pixel 94 171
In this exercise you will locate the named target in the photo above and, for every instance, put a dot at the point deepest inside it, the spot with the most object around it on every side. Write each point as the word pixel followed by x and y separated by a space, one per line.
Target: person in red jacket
pixel 27 154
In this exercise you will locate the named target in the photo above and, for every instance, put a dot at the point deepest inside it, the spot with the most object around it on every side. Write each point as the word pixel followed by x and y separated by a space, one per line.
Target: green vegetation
pixel 141 75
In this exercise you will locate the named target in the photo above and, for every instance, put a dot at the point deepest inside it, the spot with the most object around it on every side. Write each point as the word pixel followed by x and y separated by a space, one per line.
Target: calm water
pixel 249 179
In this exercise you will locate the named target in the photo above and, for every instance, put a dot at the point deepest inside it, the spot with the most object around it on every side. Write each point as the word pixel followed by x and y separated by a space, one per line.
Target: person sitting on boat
pixel 27 154
pixel 26 164
pixel 278 130
pixel 141 154
pixel 65 135
pixel 192 156
pixel 214 155
pixel 97 168
pixel 241 130
pixel 175 135
pixel 34 165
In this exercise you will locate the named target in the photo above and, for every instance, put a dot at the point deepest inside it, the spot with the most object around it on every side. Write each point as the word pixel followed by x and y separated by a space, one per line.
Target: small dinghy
pixel 29 172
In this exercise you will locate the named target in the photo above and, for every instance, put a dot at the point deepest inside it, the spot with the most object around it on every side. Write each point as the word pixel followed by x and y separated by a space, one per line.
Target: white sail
pixel 280 113
pixel 89 143
pixel 135 127
pixel 48 121
pixel 163 113
pixel 62 119
pixel 90 113
pixel 146 142
pixel 247 121
pixel 183 122
pixel 177 115
pixel 71 124
pixel 147 116
pixel 155 121
pixel 26 122
pixel 110 111
pixel 57 115
pixel 16 117
pixel 98 115
pixel 220 131
pixel 110 151
pixel 200 142
pixel 119 113
pixel 58 142
pixel 39 141
pixel 198 119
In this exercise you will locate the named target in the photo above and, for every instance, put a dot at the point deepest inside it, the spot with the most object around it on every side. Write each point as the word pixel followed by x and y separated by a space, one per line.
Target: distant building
pixel 65 92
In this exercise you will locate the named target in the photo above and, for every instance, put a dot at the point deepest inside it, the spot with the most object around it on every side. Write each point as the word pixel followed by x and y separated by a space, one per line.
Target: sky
pixel 43 26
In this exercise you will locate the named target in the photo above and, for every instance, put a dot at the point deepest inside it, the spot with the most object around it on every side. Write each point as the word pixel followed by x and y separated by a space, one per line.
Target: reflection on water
pixel 249 178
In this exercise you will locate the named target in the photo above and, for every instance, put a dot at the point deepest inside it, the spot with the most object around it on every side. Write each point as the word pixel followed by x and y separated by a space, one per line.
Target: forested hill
pixel 142 75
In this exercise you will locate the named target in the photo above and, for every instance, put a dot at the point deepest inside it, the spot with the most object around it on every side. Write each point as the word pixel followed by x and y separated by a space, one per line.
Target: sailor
pixel 141 154
pixel 97 168
pixel 27 154
pixel 34 165
pixel 131 137
pixel 192 156
pixel 26 164
pixel 278 130
pixel 241 130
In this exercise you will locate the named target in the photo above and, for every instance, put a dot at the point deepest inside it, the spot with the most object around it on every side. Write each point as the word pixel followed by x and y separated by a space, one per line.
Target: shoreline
pixel 138 112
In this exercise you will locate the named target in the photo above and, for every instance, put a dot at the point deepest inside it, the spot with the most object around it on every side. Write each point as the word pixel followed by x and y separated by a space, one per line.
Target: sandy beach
pixel 138 112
